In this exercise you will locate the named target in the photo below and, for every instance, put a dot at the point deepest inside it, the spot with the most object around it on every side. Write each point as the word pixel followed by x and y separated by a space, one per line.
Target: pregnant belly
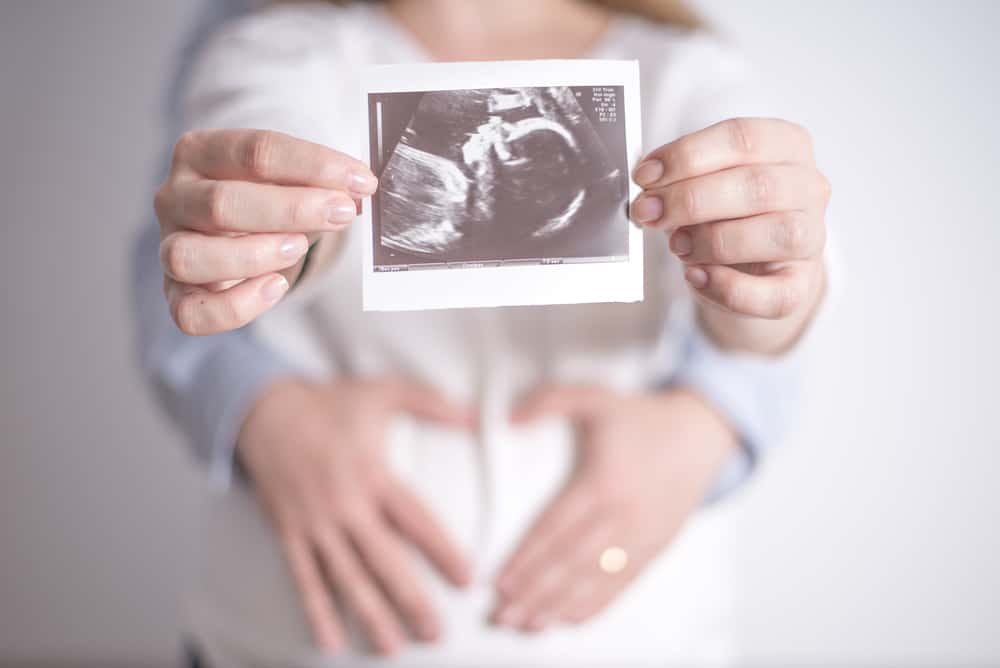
pixel 244 604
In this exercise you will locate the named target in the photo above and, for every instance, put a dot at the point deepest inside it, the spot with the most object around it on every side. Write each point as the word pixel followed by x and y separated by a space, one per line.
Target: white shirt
pixel 295 69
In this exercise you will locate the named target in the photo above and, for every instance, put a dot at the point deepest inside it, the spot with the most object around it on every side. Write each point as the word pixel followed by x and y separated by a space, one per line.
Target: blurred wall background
pixel 870 539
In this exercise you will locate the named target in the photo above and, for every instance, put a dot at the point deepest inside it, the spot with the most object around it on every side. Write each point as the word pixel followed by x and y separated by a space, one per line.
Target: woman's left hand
pixel 645 462
pixel 744 205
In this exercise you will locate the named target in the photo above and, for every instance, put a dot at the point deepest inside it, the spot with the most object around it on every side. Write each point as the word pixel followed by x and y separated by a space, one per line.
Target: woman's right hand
pixel 237 214
pixel 314 453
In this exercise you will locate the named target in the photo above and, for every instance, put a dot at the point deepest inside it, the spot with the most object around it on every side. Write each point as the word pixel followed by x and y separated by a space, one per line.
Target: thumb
pixel 575 402
pixel 425 402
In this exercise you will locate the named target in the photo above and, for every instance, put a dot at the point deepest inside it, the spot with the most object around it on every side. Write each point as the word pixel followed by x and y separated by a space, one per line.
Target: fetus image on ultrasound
pixel 499 175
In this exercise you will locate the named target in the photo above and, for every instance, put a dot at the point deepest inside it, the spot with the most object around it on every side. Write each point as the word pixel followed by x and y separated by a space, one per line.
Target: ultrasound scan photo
pixel 499 175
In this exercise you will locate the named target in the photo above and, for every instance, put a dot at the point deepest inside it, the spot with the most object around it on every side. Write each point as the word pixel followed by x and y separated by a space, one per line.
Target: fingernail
pixel 537 623
pixel 339 212
pixel 294 247
pixel 509 617
pixel 362 183
pixel 463 577
pixel 274 289
pixel 649 173
pixel 680 243
pixel 388 647
pixel 696 276
pixel 428 631
pixel 647 209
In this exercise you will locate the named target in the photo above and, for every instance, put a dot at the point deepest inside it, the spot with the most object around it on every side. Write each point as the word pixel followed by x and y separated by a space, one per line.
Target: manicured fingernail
pixel 362 183
pixel 273 289
pixel 339 212
pixel 294 247
pixel 649 173
pixel 647 209
pixel 680 243
pixel 696 276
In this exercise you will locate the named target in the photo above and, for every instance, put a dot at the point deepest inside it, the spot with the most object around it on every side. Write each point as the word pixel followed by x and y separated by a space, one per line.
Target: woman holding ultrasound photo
pixel 528 485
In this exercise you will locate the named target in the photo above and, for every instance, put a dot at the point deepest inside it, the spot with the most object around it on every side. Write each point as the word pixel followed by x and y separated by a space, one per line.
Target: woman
pixel 530 456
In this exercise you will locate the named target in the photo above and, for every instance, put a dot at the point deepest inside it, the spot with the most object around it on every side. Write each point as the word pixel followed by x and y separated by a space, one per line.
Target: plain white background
pixel 871 538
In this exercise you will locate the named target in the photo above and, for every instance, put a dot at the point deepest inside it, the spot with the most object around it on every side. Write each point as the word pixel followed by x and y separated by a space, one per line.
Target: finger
pixel 241 206
pixel 360 594
pixel 389 562
pixel 737 141
pixel 317 603
pixel 272 157
pixel 429 404
pixel 738 192
pixel 589 598
pixel 411 517
pixel 769 237
pixel 195 258
pixel 551 527
pixel 525 610
pixel 578 606
pixel 550 582
pixel 200 312
pixel 569 401
pixel 594 594
pixel 219 286
pixel 593 587
pixel 776 295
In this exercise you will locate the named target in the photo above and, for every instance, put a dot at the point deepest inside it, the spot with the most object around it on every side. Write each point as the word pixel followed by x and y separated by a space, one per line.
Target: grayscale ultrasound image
pixel 508 175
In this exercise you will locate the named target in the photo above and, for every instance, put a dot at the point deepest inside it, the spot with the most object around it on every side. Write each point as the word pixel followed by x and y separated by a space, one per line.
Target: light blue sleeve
pixel 206 384
pixel 757 395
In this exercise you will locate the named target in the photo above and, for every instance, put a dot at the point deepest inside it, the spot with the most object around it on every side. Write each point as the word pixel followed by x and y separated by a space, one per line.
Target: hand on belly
pixel 315 455
pixel 644 464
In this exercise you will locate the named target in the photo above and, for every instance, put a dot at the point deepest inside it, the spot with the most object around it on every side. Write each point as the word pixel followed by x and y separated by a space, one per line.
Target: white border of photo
pixel 519 285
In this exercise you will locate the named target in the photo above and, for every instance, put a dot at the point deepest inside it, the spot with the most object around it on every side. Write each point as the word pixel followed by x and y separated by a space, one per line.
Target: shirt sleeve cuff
pixel 757 395
pixel 229 382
